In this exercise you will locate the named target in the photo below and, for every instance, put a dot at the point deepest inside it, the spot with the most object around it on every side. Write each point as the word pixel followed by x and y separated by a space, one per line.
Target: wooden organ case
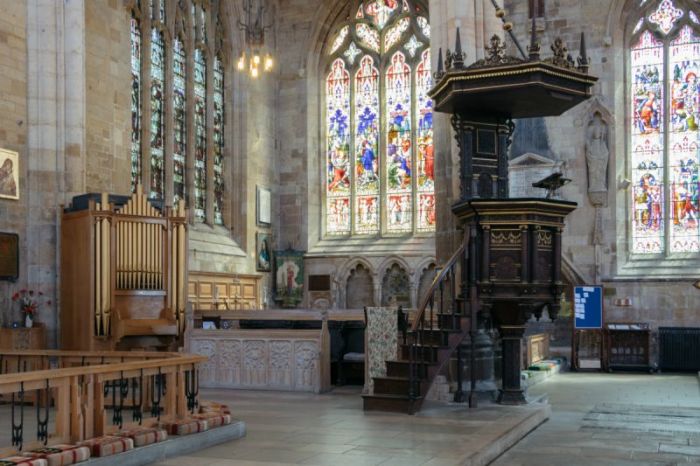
pixel 123 273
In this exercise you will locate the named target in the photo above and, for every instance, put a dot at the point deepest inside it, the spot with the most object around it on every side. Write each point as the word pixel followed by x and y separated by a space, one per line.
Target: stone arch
pixel 359 287
pixel 396 285
pixel 424 278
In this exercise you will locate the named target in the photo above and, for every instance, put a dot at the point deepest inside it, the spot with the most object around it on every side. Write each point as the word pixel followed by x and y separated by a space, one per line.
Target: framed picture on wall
pixel 9 174
pixel 264 253
pixel 264 206
pixel 289 277
pixel 9 256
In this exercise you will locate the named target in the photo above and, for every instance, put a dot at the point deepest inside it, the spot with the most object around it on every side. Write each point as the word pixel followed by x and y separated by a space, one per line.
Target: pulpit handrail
pixel 439 278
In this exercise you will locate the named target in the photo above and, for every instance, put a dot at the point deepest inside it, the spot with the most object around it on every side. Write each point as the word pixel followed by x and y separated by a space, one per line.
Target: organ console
pixel 123 273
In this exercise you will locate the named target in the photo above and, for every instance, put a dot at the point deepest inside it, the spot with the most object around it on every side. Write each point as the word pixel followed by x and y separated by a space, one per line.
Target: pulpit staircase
pixel 440 325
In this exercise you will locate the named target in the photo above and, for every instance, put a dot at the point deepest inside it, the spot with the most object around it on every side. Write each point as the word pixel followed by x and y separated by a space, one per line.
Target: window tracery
pixel 378 118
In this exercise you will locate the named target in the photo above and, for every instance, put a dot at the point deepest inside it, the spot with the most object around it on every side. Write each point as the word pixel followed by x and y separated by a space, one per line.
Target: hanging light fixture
pixel 255 57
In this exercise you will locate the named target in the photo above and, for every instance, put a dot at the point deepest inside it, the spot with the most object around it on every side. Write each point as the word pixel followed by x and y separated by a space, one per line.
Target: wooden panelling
pixel 222 291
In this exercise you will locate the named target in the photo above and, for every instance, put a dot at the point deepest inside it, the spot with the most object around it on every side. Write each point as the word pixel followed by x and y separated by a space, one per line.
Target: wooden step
pixel 434 337
pixel 392 403
pixel 428 353
pixel 394 386
pixel 401 368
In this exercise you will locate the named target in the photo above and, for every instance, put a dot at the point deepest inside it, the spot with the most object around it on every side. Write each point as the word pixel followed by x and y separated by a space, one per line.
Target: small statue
pixel 597 154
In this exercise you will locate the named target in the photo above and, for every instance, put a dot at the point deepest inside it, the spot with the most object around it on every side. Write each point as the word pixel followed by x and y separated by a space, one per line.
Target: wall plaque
pixel 9 256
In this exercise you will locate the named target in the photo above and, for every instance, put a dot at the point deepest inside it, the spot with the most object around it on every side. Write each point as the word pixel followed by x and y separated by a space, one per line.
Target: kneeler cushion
pixel 213 407
pixel 186 426
pixel 60 455
pixel 23 461
pixel 215 419
pixel 144 435
pixel 108 445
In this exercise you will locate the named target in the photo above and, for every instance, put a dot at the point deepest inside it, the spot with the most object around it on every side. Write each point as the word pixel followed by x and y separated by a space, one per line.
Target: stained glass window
pixel 338 149
pixel 180 120
pixel 200 135
pixel 684 141
pixel 135 103
pixel 218 140
pixel 379 142
pixel 170 131
pixel 366 149
pixel 664 140
pixel 157 113
pixel 399 153
pixel 425 151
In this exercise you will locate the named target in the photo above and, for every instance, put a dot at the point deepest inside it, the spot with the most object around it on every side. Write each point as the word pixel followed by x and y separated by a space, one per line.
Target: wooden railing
pixel 85 395
pixel 441 308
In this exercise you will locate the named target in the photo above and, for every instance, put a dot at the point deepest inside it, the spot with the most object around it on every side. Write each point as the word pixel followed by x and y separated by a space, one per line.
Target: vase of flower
pixel 29 303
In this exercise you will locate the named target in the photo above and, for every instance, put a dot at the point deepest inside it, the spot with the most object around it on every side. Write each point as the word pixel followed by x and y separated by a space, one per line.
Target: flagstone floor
pixel 597 419
pixel 614 419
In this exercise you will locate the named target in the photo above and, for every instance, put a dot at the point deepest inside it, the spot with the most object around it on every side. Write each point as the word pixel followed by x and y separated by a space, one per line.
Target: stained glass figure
pixel 218 133
pixel 338 149
pixel 366 124
pixel 425 153
pixel 200 129
pixel 368 36
pixel 647 144
pixel 135 103
pixel 393 34
pixel 379 11
pixel 424 26
pixel 399 155
pixel 157 113
pixel 180 120
pixel 684 141
pixel 665 16
pixel 340 39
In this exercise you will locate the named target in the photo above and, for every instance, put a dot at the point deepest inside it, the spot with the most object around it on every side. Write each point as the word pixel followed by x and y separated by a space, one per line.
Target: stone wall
pixel 661 293
pixel 13 128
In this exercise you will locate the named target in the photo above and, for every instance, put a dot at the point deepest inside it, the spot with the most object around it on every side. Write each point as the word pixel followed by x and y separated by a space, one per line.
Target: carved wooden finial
pixel 534 48
pixel 583 61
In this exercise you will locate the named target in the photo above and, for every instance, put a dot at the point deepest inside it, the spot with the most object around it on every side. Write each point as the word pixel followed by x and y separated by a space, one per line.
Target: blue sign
pixel 588 307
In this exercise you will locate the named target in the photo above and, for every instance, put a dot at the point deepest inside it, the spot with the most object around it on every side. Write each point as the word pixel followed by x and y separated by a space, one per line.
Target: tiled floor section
pixel 332 429
pixel 569 438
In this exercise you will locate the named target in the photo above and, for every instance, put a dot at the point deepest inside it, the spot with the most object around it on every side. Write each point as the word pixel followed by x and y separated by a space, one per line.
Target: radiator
pixel 679 349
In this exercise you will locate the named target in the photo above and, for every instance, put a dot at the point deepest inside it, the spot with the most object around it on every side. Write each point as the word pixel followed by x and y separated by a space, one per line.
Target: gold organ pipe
pixel 106 266
pixel 97 231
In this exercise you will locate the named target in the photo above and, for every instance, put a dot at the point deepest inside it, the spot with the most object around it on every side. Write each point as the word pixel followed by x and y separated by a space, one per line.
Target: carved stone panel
pixel 254 363
pixel 306 365
pixel 229 370
pixel 239 360
pixel 280 364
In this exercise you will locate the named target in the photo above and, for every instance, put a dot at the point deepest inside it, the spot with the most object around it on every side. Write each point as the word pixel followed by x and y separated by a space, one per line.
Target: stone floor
pixel 614 419
pixel 332 429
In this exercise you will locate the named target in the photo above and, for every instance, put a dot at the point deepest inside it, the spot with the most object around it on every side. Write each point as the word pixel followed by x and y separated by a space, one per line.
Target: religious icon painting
pixel 9 174
pixel 289 277
pixel 263 242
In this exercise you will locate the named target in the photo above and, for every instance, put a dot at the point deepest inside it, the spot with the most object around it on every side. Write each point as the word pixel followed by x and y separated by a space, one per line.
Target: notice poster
pixel 588 307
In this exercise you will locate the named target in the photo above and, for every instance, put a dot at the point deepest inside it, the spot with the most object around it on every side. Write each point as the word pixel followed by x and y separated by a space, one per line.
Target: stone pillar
pixel 511 392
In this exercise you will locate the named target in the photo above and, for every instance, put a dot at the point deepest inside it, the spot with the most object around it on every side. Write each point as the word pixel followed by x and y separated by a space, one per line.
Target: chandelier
pixel 254 57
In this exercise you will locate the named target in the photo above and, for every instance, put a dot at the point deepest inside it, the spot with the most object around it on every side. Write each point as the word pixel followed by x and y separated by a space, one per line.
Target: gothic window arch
pixel 379 157
pixel 178 109
pixel 664 139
